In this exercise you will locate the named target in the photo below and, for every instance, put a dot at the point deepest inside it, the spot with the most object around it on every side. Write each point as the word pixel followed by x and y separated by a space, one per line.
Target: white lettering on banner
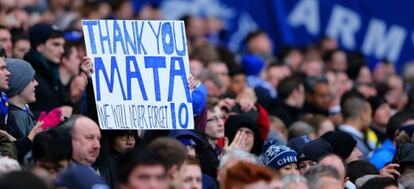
pixel 306 13
pixel 383 44
pixel 141 70
pixel 343 25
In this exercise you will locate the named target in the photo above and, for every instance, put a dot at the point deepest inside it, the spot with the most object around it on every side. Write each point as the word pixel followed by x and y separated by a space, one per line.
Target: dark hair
pixel 133 159
pixel 212 102
pixel 252 35
pixel 52 145
pixel 396 121
pixel 112 134
pixel 171 149
pixel 327 57
pixel 379 183
pixel 2 52
pixel 360 168
pixel 19 35
pixel 287 85
pixel 285 51
pixel 116 5
pixel 236 70
pixel 68 49
pixel 21 180
pixel 312 82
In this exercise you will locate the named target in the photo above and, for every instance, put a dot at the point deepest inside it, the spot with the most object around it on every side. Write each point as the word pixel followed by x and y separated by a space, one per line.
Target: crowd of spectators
pixel 314 117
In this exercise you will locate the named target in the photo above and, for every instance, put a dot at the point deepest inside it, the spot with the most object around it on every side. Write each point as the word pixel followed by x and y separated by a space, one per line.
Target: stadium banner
pixel 140 73
pixel 377 29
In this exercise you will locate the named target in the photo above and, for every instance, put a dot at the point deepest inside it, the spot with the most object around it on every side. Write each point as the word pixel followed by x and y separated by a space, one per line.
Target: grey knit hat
pixel 21 73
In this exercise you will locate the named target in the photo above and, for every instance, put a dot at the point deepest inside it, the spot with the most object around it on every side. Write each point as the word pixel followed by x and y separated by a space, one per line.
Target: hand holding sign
pixel 86 66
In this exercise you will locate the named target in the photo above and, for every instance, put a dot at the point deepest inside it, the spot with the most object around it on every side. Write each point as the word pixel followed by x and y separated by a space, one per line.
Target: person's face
pixel 222 72
pixel 191 177
pixel 289 169
pixel 72 62
pixel 294 59
pixel 256 185
pixel 124 143
pixel 5 41
pixel 238 83
pixel 249 138
pixel 28 93
pixel 147 177
pixel 330 183
pixel 20 48
pixel 276 73
pixel 299 96
pixel 391 187
pixel 364 75
pixel 367 116
pixel 382 115
pixel 305 165
pixel 215 123
pixel 196 67
pixel 4 75
pixel 339 62
pixel 191 151
pixel 355 155
pixel 313 68
pixel 261 44
pixel 212 89
pixel 85 141
pixel 52 49
pixel 321 97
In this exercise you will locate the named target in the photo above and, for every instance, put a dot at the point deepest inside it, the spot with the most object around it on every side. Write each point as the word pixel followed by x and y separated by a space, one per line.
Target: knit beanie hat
pixel 278 156
pixel 21 73
pixel 41 32
pixel 342 143
pixel 298 142
pixel 314 150
pixel 252 64
pixel 235 122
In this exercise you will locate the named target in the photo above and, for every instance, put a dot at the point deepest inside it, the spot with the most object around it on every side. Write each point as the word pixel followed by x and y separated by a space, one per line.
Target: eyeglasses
pixel 127 137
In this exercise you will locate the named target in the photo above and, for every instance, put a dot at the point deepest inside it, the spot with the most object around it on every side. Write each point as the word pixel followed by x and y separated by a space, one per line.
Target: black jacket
pixel 50 93
pixel 286 113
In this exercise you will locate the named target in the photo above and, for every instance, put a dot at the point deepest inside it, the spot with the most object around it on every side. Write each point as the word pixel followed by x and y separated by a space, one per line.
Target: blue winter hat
pixel 278 156
pixel 80 177
pixel 298 142
pixel 314 150
pixel 252 64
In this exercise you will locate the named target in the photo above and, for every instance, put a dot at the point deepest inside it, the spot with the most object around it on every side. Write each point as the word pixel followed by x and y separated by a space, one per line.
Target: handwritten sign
pixel 141 70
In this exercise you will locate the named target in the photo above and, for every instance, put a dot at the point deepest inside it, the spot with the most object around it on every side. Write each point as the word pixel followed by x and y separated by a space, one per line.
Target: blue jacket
pixel 383 154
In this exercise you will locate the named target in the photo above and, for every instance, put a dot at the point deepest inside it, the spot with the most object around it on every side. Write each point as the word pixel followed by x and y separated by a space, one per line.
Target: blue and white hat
pixel 278 156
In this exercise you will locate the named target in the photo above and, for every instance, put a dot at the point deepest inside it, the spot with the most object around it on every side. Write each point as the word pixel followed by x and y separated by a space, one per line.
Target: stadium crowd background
pixel 313 117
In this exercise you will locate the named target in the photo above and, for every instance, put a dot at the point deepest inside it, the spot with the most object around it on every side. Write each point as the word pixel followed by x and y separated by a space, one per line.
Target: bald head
pixel 336 162
pixel 85 140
